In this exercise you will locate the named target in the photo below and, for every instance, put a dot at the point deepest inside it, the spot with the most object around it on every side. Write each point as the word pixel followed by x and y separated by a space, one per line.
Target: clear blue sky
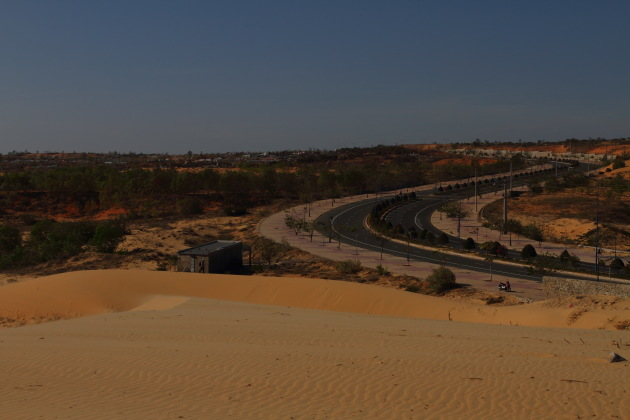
pixel 217 76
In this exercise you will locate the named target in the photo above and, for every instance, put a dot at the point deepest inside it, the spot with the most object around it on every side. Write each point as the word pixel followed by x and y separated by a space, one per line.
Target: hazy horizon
pixel 215 77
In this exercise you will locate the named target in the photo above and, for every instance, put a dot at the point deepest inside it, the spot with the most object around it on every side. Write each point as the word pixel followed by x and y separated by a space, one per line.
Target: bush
pixel 348 266
pixel 270 251
pixel 382 271
pixel 567 259
pixel 619 163
pixel 441 280
pixel 442 239
pixel 617 264
pixel 534 232
pixel 494 248
pixel 430 238
pixel 10 238
pixel 108 235
pixel 413 233
pixel 162 266
pixel 189 206
pixel 528 252
pixel 413 288
pixel 469 243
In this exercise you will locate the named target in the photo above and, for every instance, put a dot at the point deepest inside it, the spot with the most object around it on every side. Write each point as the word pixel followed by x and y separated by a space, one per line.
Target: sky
pixel 230 76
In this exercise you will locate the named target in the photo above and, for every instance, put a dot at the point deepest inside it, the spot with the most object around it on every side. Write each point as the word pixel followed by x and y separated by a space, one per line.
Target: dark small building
pixel 213 257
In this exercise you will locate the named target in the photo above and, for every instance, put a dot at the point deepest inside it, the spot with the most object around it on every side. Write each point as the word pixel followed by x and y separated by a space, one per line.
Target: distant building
pixel 213 257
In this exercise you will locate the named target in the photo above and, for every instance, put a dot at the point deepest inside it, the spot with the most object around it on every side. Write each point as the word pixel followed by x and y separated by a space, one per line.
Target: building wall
pixel 554 287
pixel 216 262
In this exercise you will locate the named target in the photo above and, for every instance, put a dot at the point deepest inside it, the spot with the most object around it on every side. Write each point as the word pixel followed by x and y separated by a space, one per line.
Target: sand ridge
pixel 83 293
pixel 208 358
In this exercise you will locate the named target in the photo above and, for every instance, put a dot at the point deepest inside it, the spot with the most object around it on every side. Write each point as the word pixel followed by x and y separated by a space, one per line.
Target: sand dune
pixel 169 345
pixel 82 293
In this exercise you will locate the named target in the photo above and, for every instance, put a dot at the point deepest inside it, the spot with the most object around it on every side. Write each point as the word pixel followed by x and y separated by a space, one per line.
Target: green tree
pixel 10 238
pixel 534 232
pixel 108 235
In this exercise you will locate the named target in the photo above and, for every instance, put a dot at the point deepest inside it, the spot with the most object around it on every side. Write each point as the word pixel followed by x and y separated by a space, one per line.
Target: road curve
pixel 347 224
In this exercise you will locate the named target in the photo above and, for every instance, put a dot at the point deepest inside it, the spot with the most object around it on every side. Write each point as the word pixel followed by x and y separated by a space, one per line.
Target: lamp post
pixel 597 229
pixel 330 230
pixel 476 190
pixel 459 224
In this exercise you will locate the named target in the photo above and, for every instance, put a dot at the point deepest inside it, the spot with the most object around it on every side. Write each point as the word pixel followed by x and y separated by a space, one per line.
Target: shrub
pixel 348 266
pixel 469 243
pixel 619 163
pixel 617 264
pixel 534 232
pixel 430 238
pixel 413 233
pixel 382 271
pixel 544 264
pixel 441 280
pixel 442 239
pixel 567 259
pixel 270 251
pixel 189 205
pixel 10 238
pixel 528 252
pixel 108 235
pixel 490 246
pixel 413 288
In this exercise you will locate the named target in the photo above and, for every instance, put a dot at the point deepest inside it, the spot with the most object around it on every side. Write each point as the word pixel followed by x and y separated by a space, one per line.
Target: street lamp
pixel 597 229
pixel 330 230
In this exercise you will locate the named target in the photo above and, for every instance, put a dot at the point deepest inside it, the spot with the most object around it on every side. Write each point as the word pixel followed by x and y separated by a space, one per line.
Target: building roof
pixel 210 247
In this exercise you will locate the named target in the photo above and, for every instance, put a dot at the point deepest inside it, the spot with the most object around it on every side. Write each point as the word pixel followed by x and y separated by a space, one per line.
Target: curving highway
pixel 346 224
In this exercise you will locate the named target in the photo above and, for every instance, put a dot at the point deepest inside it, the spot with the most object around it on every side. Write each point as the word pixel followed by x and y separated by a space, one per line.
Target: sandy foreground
pixel 177 345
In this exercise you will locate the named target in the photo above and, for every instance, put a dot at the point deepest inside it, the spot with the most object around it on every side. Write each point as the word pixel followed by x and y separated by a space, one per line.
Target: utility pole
pixel 330 230
pixel 459 224
pixel 505 209
pixel 597 230
pixel 476 190
pixel 510 174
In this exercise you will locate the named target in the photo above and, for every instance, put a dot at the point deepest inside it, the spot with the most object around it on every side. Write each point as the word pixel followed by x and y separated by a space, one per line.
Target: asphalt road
pixel 346 224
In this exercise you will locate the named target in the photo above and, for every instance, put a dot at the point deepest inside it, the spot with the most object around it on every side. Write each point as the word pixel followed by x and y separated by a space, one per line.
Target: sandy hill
pixel 175 345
